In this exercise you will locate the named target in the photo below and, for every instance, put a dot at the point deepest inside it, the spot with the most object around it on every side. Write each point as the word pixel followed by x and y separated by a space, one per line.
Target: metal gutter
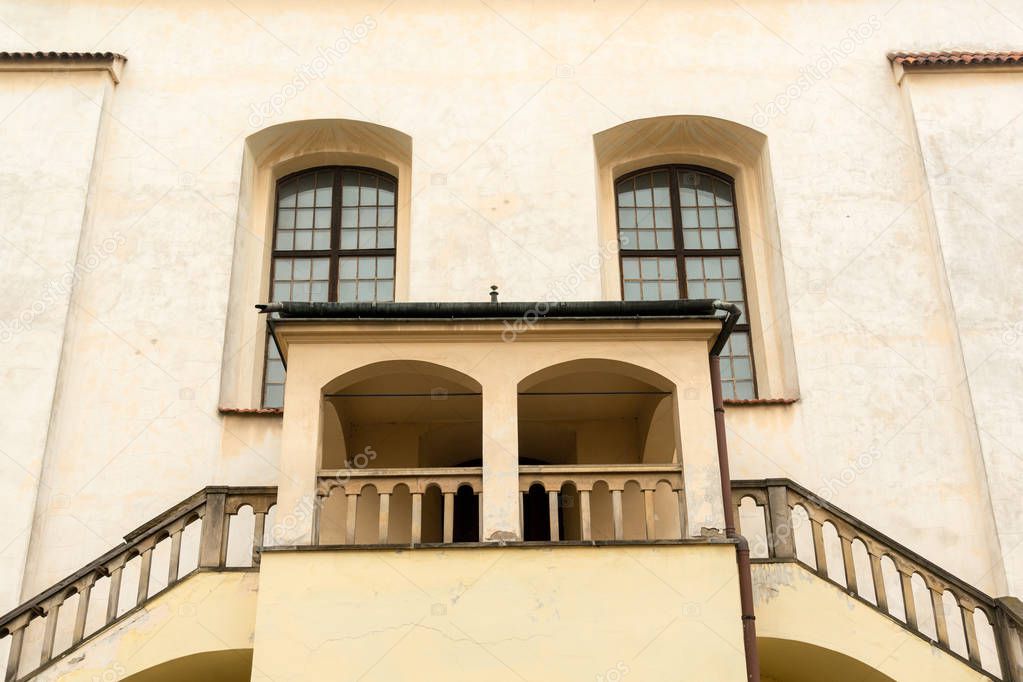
pixel 742 557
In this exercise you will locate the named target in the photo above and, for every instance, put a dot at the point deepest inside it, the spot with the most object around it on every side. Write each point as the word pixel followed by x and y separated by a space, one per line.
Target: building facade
pixel 474 425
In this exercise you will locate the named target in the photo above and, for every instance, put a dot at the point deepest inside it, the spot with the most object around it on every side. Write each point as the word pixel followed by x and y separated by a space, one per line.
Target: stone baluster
pixel 449 518
pixel 877 576
pixel 384 518
pixel 52 609
pixel 417 518
pixel 908 601
pixel 82 612
pixel 938 606
pixel 585 518
pixel 17 629
pixel 966 609
pixel 617 514
pixel 145 566
pixel 113 598
pixel 350 516
pixel 849 564
pixel 780 537
pixel 174 563
pixel 648 507
pixel 820 555
pixel 552 509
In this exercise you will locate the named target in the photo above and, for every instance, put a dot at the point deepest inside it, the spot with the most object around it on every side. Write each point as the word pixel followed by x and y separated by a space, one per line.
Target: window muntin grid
pixel 649 279
pixel 685 216
pixel 324 219
pixel 366 278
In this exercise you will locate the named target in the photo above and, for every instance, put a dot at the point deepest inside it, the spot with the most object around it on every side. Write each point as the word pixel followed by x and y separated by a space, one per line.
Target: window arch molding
pixel 269 155
pixel 717 146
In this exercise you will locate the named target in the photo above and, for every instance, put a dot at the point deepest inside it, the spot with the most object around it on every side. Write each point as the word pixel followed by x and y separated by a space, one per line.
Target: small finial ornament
pixel 493 293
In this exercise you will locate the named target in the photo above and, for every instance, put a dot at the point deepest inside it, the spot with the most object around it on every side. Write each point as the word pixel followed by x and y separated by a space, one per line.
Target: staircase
pixel 211 508
pixel 794 518
pixel 789 524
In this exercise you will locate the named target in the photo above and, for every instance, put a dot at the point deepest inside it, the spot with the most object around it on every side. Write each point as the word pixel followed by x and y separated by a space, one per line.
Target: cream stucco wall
pixel 46 183
pixel 502 101
pixel 971 145
pixel 500 614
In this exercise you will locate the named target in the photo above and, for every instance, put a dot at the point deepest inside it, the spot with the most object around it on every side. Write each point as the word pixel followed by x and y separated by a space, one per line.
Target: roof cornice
pixel 111 62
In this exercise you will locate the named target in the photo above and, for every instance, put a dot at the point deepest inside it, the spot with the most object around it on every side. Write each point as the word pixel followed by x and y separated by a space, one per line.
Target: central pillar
pixel 500 510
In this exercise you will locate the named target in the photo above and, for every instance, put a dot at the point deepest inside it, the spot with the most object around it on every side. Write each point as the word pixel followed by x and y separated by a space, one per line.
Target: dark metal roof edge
pixel 482 311
pixel 60 56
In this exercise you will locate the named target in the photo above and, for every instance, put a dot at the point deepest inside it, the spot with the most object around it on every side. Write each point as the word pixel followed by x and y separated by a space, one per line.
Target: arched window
pixel 679 237
pixel 334 240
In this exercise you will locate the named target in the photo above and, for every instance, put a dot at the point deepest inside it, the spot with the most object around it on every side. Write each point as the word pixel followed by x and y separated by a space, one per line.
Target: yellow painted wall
pixel 563 613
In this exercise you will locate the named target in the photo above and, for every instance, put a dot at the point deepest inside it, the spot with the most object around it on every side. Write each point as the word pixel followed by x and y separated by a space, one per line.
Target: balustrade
pixel 211 508
pixel 777 499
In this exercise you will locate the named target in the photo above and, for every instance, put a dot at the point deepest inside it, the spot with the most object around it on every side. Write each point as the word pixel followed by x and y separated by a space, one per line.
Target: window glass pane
pixel 386 192
pixel 715 277
pixel 286 219
pixel 367 239
pixel 649 279
pixel 368 217
pixel 306 190
pixel 626 218
pixel 644 217
pixel 285 240
pixel 349 217
pixel 286 194
pixel 349 189
pixel 737 377
pixel 301 279
pixel 660 186
pixel 366 278
pixel 303 240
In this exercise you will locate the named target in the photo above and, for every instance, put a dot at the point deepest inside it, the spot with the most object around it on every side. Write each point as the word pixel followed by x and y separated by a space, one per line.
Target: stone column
pixel 500 460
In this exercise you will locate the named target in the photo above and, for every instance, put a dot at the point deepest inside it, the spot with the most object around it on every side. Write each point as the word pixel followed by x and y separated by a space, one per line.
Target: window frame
pixel 680 252
pixel 334 253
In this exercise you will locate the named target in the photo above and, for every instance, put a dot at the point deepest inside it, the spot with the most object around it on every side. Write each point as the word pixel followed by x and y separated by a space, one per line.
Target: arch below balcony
pixel 786 660
pixel 230 665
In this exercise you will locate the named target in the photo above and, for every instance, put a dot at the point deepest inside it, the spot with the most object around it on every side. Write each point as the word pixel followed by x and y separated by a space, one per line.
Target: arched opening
pixel 597 438
pixel 596 412
pixel 392 431
pixel 402 414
